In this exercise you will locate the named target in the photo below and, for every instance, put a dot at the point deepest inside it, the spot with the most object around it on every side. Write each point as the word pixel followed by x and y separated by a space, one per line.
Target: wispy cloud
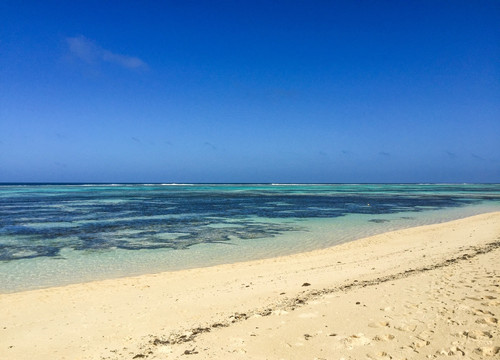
pixel 209 145
pixel 90 52
pixel 60 136
pixel 451 155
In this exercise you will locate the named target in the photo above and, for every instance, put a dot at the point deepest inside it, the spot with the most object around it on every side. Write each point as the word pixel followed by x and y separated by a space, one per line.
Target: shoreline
pixel 121 318
pixel 78 270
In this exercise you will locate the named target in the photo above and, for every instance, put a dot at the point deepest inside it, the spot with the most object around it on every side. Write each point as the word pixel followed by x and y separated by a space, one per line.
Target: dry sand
pixel 426 292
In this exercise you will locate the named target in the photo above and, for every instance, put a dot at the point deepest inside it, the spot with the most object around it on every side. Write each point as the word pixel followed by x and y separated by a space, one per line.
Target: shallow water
pixel 59 234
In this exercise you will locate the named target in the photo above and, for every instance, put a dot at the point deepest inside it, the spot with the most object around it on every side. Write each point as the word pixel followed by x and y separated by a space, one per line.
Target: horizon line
pixel 246 183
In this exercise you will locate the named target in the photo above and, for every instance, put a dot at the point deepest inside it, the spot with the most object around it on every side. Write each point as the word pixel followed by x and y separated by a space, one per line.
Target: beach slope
pixel 425 292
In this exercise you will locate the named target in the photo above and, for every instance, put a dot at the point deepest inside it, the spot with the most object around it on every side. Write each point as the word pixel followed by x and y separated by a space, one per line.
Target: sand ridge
pixel 313 300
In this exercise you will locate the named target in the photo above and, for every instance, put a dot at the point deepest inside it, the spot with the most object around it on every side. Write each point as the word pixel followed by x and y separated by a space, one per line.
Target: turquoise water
pixel 58 234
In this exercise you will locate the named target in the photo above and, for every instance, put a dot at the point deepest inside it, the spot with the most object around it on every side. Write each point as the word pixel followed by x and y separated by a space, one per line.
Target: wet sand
pixel 426 292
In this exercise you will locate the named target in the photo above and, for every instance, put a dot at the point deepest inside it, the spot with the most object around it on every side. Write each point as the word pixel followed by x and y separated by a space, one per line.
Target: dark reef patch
pixel 40 221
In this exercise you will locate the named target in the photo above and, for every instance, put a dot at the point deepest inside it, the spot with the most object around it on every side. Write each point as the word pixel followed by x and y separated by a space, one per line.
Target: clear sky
pixel 249 91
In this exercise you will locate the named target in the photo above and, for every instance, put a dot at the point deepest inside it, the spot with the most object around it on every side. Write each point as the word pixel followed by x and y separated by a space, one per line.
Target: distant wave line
pixel 175 184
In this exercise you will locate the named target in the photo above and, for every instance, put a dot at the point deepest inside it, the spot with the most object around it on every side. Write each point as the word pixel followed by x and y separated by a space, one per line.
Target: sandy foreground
pixel 426 292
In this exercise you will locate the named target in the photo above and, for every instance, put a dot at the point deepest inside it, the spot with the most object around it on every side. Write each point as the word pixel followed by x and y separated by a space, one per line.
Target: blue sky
pixel 250 91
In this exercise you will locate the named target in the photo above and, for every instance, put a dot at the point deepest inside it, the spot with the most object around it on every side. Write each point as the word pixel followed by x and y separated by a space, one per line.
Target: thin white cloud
pixel 88 51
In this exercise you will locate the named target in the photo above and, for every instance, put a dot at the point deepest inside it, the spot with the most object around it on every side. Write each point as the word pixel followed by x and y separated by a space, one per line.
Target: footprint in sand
pixel 406 328
pixel 481 312
pixel 379 324
pixel 411 306
pixel 424 335
pixel 491 303
pixel 379 356
pixel 477 334
pixel 356 340
pixel 488 350
pixel 451 351
pixel 417 344
pixel 385 337
pixel 464 307
pixel 488 321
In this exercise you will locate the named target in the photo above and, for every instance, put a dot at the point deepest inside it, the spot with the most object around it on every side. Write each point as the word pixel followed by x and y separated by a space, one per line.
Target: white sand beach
pixel 421 293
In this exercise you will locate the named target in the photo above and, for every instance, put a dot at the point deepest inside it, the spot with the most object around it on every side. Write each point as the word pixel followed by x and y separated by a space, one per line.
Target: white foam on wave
pixel 294 184
pixel 175 184
pixel 95 185
pixel 278 184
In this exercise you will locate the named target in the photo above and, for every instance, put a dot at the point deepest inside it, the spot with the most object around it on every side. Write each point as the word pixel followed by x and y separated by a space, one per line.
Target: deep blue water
pixel 40 220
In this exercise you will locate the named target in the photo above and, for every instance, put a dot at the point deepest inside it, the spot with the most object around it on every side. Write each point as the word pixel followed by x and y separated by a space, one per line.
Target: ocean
pixel 57 234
